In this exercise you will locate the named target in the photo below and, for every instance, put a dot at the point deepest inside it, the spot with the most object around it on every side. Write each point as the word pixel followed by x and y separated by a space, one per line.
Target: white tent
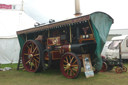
pixel 10 22
pixel 9 50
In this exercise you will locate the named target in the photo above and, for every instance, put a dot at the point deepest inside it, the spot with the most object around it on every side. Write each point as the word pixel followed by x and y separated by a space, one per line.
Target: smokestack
pixel 77 8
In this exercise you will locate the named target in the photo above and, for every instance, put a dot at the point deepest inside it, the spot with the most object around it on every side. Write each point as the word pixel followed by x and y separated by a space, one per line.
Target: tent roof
pixel 12 21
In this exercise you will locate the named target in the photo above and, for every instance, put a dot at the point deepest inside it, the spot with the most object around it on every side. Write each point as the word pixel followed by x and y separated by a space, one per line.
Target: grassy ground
pixel 54 77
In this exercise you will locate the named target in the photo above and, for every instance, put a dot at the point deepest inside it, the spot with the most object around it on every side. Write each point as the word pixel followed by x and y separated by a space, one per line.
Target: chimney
pixel 77 8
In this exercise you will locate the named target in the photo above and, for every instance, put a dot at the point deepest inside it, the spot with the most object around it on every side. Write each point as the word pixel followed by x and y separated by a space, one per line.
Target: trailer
pixel 115 54
pixel 113 47
pixel 65 44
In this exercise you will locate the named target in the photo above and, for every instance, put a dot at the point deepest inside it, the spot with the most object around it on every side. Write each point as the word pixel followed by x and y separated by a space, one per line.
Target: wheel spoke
pixel 65 65
pixel 74 65
pixel 71 60
pixel 74 69
pixel 36 60
pixel 32 46
pixel 36 54
pixel 26 54
pixel 67 59
pixel 31 49
pixel 28 47
pixel 27 61
pixel 37 57
pixel 35 64
pixel 34 49
pixel 74 62
pixel 70 73
pixel 67 71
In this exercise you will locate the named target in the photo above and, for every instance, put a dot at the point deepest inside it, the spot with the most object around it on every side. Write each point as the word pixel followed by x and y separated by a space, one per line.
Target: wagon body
pixel 63 43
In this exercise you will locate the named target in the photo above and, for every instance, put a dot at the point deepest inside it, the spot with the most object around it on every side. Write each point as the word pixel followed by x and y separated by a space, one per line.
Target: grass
pixel 54 77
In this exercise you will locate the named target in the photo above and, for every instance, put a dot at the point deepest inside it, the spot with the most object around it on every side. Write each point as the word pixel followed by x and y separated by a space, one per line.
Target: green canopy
pixel 101 23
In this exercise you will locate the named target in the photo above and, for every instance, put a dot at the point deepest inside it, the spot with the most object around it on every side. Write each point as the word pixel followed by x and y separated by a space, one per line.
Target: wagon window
pixel 114 44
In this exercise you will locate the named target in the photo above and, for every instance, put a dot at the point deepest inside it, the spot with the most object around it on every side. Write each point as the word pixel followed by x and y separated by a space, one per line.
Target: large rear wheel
pixel 70 65
pixel 32 56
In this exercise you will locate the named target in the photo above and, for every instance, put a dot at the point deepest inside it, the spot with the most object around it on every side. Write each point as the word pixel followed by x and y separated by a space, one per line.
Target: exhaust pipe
pixel 77 8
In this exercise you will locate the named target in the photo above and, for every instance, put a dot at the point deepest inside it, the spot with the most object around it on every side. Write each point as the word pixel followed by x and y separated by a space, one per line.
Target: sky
pixel 43 10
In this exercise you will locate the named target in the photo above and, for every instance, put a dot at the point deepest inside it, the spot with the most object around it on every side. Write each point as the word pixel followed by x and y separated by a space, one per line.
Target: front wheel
pixel 118 69
pixel 70 65
pixel 124 69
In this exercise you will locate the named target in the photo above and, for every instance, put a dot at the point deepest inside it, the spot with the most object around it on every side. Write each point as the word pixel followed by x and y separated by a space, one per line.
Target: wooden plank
pixel 87 66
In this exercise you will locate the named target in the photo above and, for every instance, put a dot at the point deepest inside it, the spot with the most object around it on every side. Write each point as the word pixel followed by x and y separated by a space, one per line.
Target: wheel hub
pixel 68 66
pixel 30 55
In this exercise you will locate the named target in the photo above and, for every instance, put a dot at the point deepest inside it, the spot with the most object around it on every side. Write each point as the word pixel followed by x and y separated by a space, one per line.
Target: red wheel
pixel 70 65
pixel 32 56
pixel 124 69
pixel 104 67
pixel 118 69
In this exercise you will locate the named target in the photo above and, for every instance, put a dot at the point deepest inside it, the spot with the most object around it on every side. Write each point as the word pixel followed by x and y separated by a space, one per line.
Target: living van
pixel 112 51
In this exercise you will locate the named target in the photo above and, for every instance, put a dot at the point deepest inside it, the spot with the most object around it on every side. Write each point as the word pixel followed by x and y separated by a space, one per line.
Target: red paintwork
pixel 53 41
pixel 56 55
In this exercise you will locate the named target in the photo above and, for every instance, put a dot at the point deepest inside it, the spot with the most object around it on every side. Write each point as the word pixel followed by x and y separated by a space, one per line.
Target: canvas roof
pixel 12 21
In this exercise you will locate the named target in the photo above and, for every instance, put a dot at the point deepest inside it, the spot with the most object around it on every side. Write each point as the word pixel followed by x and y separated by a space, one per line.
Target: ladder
pixel 20 65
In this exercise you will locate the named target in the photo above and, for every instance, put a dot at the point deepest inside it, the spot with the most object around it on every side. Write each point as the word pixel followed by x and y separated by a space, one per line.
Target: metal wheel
pixel 104 67
pixel 70 65
pixel 32 56
pixel 124 69
pixel 118 69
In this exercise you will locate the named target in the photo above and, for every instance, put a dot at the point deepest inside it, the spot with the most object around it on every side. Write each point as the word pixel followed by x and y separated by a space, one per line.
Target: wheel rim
pixel 118 70
pixel 31 56
pixel 70 65
pixel 104 67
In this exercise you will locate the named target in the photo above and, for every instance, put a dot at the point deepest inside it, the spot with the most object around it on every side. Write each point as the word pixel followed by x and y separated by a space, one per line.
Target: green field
pixel 54 77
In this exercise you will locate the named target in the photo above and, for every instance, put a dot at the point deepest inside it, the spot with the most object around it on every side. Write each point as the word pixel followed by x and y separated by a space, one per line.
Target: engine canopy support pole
pixel 70 29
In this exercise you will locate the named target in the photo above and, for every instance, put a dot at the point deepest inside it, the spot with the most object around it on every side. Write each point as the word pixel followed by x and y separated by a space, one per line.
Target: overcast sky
pixel 43 10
